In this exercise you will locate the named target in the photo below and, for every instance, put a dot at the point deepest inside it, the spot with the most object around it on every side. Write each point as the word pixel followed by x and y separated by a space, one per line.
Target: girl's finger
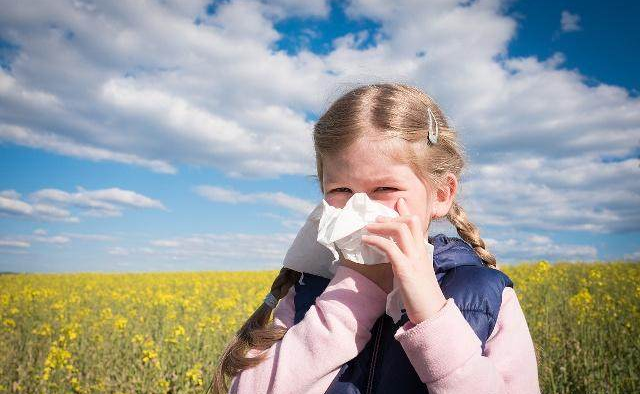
pixel 415 226
pixel 403 209
pixel 400 233
pixel 413 221
pixel 389 247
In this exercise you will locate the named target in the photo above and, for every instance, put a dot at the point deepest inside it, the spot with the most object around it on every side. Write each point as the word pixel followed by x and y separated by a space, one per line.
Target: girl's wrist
pixel 434 302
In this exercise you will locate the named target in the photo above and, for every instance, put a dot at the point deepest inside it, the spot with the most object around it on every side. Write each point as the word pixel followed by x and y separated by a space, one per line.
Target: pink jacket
pixel 338 326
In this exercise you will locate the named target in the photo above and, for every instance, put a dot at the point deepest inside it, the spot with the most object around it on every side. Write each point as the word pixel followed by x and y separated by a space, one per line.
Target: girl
pixel 463 329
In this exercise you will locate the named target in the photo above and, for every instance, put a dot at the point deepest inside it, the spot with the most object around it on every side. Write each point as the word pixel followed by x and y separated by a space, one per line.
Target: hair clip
pixel 433 134
pixel 271 300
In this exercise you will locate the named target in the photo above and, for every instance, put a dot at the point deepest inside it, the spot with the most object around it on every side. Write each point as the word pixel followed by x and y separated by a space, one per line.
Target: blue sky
pixel 176 135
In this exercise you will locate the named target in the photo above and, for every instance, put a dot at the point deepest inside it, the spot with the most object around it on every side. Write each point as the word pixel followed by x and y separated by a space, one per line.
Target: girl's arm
pixel 447 355
pixel 334 330
pixel 285 312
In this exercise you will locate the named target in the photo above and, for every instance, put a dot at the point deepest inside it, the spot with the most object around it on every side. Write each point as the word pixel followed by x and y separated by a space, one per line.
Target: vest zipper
pixel 374 356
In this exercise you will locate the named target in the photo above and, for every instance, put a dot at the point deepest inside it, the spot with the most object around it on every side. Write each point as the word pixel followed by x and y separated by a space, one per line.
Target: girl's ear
pixel 442 198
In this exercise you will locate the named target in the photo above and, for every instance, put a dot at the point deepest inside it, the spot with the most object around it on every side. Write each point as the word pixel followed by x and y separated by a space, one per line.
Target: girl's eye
pixel 347 190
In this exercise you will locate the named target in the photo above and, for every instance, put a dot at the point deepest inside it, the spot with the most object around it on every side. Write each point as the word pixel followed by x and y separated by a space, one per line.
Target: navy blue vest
pixel 382 366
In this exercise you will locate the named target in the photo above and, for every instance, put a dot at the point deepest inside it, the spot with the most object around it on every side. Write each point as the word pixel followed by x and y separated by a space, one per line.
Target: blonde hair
pixel 398 114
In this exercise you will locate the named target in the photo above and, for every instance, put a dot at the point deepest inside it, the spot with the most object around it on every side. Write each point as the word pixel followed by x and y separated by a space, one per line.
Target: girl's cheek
pixel 336 200
pixel 389 200
pixel 339 200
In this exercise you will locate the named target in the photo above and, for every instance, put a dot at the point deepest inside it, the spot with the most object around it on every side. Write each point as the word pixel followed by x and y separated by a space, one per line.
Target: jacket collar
pixel 451 252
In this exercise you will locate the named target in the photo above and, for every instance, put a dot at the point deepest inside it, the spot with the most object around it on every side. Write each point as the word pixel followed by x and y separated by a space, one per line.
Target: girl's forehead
pixel 367 150
pixel 365 169
pixel 368 159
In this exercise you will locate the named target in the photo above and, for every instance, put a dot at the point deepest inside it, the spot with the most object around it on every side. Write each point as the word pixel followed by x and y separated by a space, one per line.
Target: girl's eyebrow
pixel 387 178
pixel 383 179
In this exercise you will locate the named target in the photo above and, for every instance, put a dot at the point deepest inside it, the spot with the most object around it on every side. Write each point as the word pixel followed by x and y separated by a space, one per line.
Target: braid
pixel 470 233
pixel 283 282
pixel 256 333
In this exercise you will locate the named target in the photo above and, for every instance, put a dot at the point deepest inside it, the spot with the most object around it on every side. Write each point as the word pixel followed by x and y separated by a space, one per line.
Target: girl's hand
pixel 411 263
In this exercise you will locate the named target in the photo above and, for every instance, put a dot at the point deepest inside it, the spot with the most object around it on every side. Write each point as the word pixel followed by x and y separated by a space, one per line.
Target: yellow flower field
pixel 163 332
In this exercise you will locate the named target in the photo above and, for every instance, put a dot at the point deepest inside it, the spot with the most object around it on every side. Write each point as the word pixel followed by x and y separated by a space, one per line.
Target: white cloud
pixel 57 239
pixel 158 122
pixel 219 194
pixel 284 8
pixel 102 202
pixel 41 235
pixel 12 205
pixel 14 243
pixel 91 237
pixel 205 251
pixel 287 222
pixel 511 249
pixel 554 195
pixel 118 251
pixel 26 241
pixel 57 144
pixel 569 21
pixel 52 204
pixel 223 248
pixel 635 256
pixel 165 243
pixel 10 194
pixel 11 90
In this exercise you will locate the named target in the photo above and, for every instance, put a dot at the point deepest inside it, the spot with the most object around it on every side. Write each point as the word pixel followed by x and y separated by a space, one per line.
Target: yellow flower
pixel 582 299
pixel 9 323
pixel 120 323
pixel 106 314
pixel 149 355
pixel 44 330
pixel 58 358
pixel 194 375
pixel 179 331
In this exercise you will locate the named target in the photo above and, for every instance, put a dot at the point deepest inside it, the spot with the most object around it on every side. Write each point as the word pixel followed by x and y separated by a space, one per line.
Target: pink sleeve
pixel 285 311
pixel 333 331
pixel 447 355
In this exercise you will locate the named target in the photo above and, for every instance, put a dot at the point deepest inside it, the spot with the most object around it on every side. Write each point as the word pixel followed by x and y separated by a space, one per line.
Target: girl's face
pixel 363 168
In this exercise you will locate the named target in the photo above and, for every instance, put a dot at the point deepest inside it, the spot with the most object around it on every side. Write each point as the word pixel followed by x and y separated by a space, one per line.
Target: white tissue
pixel 329 229
pixel 342 228
pixel 305 253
